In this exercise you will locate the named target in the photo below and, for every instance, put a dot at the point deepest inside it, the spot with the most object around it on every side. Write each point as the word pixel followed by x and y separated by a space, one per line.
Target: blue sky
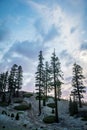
pixel 28 26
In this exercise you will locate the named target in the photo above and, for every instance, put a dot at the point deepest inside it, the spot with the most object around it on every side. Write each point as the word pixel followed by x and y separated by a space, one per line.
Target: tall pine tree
pixel 47 78
pixel 12 80
pixel 56 76
pixel 40 79
pixel 77 82
pixel 19 80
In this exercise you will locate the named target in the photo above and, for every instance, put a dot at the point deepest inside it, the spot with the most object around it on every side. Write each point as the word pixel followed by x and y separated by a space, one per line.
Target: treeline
pixel 11 82
pixel 49 77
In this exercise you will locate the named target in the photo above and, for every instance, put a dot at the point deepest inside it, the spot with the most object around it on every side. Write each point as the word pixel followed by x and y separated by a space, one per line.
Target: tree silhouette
pixel 55 79
pixel 40 79
pixel 19 79
pixel 12 80
pixel 77 82
pixel 47 80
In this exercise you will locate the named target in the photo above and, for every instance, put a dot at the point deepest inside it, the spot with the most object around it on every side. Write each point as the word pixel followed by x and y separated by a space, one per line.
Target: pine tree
pixel 59 92
pixel 1 85
pixel 40 79
pixel 77 82
pixel 19 79
pixel 47 80
pixel 73 107
pixel 70 107
pixel 56 76
pixel 12 80
pixel 5 80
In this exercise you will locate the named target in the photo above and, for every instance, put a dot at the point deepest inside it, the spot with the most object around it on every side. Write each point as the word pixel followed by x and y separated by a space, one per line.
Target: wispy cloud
pixel 84 46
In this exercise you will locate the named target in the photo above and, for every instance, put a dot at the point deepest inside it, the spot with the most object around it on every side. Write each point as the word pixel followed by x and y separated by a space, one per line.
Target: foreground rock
pixel 30 120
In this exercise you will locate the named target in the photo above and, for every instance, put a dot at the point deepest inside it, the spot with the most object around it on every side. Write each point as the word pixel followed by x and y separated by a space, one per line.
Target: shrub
pixel 3 127
pixel 3 98
pixel 28 95
pixel 20 112
pixel 42 97
pixel 3 104
pixel 53 111
pixel 12 115
pixel 18 100
pixel 52 105
pixel 49 119
pixel 25 125
pixel 17 117
pixel 84 119
pixel 23 107
pixel 4 112
pixel 73 107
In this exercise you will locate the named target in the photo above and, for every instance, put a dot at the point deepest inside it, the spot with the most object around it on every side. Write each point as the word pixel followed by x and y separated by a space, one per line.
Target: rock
pixel 85 127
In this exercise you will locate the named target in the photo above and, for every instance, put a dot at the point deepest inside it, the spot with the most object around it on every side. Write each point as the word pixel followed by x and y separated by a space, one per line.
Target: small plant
pixel 73 107
pixel 52 105
pixel 53 111
pixel 3 127
pixel 30 106
pixel 4 112
pixel 23 107
pixel 17 117
pixel 3 104
pixel 12 115
pixel 84 119
pixel 49 119
pixel 18 100
pixel 28 95
pixel 25 125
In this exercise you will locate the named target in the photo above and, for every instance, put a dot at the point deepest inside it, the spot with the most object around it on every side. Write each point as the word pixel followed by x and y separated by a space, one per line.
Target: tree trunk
pixel 55 92
pixel 80 104
pixel 39 101
pixel 56 106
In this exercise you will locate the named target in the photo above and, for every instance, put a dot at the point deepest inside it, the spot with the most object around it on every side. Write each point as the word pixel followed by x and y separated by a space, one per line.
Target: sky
pixel 28 26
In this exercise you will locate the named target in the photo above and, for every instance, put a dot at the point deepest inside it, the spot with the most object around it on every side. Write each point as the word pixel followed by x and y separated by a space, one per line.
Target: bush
pixel 25 125
pixel 73 107
pixel 52 105
pixel 42 97
pixel 3 104
pixel 12 115
pixel 18 100
pixel 84 119
pixel 3 98
pixel 53 111
pixel 49 119
pixel 3 127
pixel 23 107
pixel 4 112
pixel 20 112
pixel 28 95
pixel 17 117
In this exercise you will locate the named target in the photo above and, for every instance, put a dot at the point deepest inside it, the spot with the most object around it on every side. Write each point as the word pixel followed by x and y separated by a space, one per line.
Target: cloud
pixel 73 29
pixel 53 32
pixel 26 49
pixel 4 32
pixel 69 60
pixel 83 46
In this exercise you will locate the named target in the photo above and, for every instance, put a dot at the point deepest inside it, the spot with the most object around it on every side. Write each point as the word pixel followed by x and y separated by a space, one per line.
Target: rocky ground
pixel 30 120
